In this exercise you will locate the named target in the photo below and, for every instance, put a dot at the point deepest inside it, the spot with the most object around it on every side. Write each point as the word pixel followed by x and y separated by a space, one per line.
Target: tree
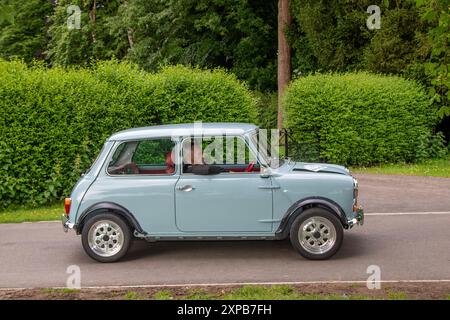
pixel 23 26
pixel 333 36
pixel 238 35
pixel 284 55
pixel 6 12
pixel 93 41
pixel 437 14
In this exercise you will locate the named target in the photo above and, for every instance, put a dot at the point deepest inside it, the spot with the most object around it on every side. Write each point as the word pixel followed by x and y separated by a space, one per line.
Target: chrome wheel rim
pixel 317 235
pixel 105 238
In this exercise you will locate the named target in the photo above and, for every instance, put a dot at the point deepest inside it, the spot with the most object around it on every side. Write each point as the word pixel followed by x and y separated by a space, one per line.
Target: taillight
pixel 67 203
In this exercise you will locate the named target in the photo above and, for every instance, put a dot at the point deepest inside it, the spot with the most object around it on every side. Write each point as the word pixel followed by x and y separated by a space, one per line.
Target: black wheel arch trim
pixel 109 207
pixel 299 206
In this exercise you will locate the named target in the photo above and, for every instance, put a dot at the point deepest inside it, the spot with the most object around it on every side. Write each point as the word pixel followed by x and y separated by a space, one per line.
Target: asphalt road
pixel 405 246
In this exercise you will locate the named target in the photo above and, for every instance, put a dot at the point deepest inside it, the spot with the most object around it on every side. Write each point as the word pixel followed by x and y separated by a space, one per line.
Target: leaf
pixel 420 3
pixel 429 15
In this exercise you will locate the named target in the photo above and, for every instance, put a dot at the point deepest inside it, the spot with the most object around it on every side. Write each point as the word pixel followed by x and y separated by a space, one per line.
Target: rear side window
pixel 150 157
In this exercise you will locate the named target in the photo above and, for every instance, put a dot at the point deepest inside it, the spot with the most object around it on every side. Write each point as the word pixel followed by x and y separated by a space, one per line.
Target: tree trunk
pixel 284 55
pixel 130 37
pixel 92 16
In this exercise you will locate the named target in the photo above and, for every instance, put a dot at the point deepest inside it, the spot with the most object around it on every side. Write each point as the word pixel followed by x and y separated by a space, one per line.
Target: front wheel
pixel 106 237
pixel 317 234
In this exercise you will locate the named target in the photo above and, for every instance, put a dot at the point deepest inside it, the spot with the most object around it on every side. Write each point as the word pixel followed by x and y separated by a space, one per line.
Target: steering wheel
pixel 250 166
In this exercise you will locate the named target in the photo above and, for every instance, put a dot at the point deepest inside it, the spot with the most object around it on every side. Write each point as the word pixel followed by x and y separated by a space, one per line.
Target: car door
pixel 140 176
pixel 234 200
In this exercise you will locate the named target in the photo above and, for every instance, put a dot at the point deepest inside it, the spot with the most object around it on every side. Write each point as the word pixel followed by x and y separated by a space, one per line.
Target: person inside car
pixel 193 161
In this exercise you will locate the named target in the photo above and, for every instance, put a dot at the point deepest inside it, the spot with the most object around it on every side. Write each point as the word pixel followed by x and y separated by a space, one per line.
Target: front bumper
pixel 358 219
pixel 65 223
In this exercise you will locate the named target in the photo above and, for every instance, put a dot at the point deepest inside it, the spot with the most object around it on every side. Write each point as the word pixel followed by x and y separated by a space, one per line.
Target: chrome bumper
pixel 65 223
pixel 358 219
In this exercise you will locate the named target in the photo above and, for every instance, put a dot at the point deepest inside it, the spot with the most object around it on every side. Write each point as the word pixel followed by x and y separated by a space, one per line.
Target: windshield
pixel 267 142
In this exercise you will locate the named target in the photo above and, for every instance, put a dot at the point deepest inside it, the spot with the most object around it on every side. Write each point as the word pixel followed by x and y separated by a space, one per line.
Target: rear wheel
pixel 317 234
pixel 106 237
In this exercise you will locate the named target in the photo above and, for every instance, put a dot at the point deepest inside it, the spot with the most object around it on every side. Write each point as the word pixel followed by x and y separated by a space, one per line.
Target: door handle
pixel 185 188
pixel 269 187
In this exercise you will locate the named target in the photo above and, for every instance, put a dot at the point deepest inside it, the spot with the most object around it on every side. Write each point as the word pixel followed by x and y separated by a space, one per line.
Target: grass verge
pixel 17 215
pixel 395 291
pixel 431 168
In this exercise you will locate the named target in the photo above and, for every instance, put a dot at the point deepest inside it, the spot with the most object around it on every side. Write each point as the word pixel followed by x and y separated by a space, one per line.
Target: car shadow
pixel 355 245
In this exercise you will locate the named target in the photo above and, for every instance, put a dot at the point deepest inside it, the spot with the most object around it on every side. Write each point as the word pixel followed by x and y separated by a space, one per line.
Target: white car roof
pixel 184 129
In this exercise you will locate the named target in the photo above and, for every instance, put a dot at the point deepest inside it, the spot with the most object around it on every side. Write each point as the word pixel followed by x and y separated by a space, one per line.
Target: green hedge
pixel 54 121
pixel 361 119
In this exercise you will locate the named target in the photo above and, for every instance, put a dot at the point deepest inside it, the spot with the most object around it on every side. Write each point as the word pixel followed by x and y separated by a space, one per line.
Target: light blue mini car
pixel 209 181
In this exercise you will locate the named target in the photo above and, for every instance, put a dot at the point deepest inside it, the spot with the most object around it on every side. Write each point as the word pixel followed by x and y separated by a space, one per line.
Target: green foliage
pixel 328 35
pixel 429 168
pixel 93 41
pixel 333 36
pixel 251 292
pixel 54 121
pixel 163 295
pixel 152 152
pixel 361 118
pixel 6 12
pixel 437 14
pixel 239 35
pixel 23 28
pixel 400 43
pixel 133 295
pixel 431 146
pixel 198 294
pixel 267 109
pixel 19 214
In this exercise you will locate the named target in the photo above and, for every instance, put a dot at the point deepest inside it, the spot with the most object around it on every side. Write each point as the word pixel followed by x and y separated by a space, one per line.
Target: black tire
pixel 114 219
pixel 331 247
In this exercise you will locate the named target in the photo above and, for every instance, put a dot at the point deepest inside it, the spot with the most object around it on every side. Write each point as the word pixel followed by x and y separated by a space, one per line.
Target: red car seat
pixel 169 163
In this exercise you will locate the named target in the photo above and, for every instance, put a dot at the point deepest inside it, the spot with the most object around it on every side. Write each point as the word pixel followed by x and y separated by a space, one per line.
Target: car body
pixel 146 185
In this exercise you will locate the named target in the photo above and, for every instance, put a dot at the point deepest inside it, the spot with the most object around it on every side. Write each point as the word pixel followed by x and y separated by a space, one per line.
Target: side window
pixel 153 156
pixel 237 152
pixel 228 154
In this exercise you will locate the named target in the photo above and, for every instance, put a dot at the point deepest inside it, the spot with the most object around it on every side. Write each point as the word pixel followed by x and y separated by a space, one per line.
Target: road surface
pixel 407 236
